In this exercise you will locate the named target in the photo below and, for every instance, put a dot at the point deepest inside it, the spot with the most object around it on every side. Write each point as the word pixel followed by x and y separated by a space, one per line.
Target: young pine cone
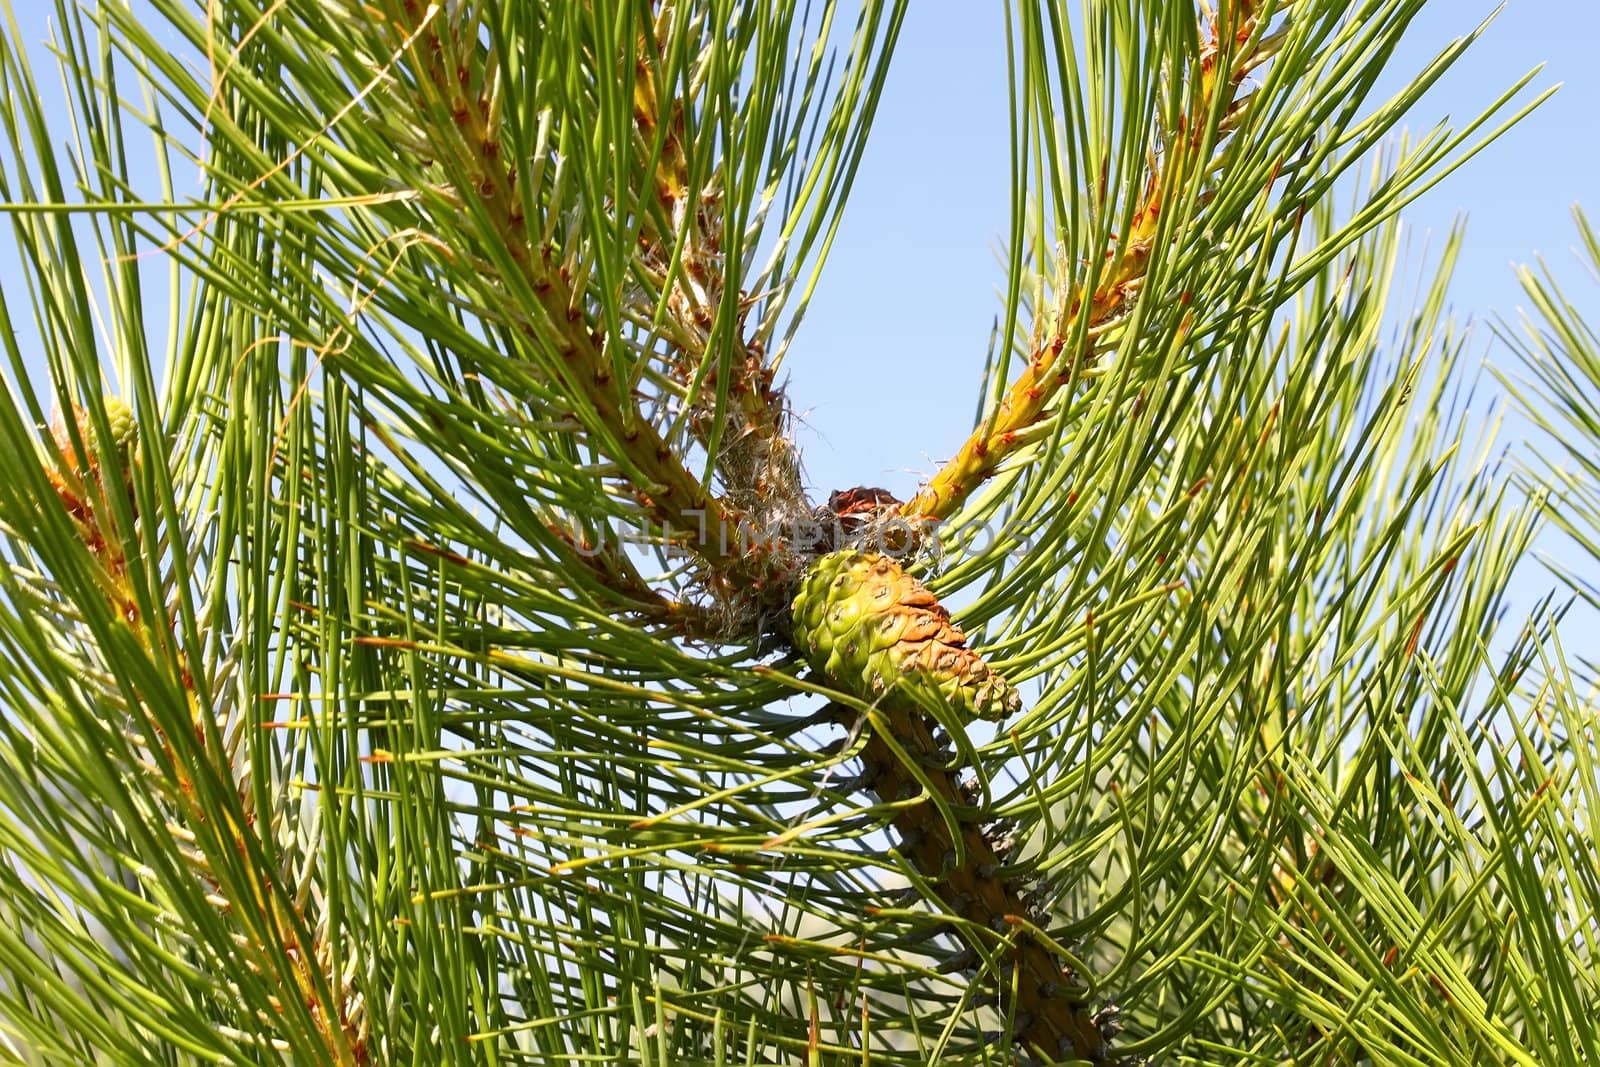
pixel 123 432
pixel 873 629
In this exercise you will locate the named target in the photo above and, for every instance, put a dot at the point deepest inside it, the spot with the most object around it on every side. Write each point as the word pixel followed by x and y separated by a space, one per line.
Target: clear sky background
pixel 907 301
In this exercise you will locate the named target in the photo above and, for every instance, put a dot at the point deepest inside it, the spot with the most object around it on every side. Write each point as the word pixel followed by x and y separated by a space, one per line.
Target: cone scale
pixel 875 630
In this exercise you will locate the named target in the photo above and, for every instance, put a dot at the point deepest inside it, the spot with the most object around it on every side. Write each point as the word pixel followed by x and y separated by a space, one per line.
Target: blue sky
pixel 906 303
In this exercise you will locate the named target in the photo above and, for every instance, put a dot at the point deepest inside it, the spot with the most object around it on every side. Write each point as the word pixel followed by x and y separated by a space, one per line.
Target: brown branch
pixel 1050 368
pixel 663 485
pixel 1051 1016
pixel 85 491
pixel 757 460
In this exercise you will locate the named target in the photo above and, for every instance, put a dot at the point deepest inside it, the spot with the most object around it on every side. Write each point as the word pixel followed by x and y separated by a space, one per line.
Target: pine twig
pixel 664 486
pixel 1051 1015
pixel 753 452
pixel 1051 366
pixel 84 487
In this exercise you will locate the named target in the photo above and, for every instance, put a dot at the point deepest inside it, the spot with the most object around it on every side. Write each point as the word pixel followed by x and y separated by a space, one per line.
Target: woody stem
pixel 670 493
pixel 1050 368
pixel 1050 1017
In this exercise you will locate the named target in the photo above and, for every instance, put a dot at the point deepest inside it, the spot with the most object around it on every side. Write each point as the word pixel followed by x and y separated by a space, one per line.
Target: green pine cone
pixel 875 630
pixel 120 416
pixel 123 431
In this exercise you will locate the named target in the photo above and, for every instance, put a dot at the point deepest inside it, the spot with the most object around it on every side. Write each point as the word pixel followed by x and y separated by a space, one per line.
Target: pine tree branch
pixel 86 478
pixel 752 449
pixel 662 484
pixel 611 721
pixel 1052 366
